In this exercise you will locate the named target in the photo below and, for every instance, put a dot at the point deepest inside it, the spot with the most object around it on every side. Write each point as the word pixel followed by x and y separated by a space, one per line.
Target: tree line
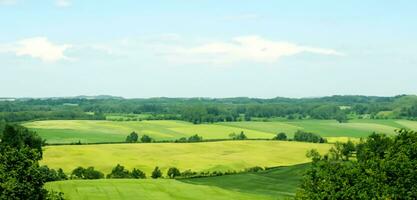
pixel 207 110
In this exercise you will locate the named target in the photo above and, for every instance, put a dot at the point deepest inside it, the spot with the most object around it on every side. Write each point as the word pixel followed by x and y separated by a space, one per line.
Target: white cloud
pixel 63 3
pixel 247 48
pixel 38 47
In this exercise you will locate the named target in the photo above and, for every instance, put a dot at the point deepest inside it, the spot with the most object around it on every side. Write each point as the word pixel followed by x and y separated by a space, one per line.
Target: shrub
pixel 156 173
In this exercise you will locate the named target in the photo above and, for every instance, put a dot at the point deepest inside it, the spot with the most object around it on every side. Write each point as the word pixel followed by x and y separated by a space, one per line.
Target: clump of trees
pixel 52 174
pixel 86 173
pixel 193 138
pixel 240 136
pixel 132 137
pixel 280 136
pixel 308 137
pixel 120 172
pixel 146 139
pixel 384 168
pixel 21 177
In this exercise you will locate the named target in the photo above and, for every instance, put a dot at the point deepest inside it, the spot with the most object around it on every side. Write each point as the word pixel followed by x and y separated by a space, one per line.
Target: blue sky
pixel 188 48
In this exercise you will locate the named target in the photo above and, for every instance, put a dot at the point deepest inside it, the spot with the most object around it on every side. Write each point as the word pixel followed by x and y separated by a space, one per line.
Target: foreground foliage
pixel 20 174
pixel 384 168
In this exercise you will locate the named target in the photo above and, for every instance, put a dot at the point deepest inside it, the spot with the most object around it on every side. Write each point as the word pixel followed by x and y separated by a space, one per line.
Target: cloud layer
pixel 247 48
pixel 38 47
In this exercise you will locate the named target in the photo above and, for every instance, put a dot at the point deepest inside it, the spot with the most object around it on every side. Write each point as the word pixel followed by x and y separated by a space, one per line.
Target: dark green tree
pixel 156 173
pixel 138 174
pixel 173 172
pixel 132 137
pixel 119 172
pixel 146 139
pixel 280 136
pixel 385 168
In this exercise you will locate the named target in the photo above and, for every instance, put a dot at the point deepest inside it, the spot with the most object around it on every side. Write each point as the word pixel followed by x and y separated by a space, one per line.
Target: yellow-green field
pixel 90 131
pixel 207 156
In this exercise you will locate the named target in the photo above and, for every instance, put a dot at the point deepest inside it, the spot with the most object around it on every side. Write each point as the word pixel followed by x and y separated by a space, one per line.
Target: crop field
pixel 270 184
pixel 90 131
pixel 205 156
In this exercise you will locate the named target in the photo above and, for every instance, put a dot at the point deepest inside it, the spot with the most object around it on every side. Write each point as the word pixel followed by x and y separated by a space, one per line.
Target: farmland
pixel 206 156
pixel 92 131
pixel 270 184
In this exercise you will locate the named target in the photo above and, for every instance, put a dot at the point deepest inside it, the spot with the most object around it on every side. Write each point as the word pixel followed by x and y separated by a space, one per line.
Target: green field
pixel 147 189
pixel 275 183
pixel 89 131
pixel 206 156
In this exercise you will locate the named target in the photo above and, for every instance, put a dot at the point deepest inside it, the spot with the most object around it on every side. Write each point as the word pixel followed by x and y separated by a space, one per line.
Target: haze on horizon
pixel 202 48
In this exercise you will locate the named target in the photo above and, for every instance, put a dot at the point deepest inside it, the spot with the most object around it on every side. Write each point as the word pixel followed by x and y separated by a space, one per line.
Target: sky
pixel 207 48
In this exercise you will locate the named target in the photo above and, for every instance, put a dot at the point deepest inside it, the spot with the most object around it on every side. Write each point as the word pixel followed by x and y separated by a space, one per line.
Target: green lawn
pixel 67 131
pixel 277 183
pixel 206 156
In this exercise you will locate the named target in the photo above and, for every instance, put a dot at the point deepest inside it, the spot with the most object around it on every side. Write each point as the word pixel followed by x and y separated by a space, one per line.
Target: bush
pixel 195 138
pixel 86 173
pixel 240 136
pixel 156 173
pixel 51 174
pixel 132 137
pixel 119 172
pixel 146 139
pixel 308 137
pixel 173 172
pixel 280 136
pixel 138 174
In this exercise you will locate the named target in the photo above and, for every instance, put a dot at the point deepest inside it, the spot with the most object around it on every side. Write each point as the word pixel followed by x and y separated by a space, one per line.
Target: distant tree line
pixel 206 110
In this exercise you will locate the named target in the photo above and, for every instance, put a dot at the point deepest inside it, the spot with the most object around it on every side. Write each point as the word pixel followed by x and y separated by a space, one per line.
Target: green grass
pixel 206 156
pixel 277 183
pixel 67 131
pixel 161 189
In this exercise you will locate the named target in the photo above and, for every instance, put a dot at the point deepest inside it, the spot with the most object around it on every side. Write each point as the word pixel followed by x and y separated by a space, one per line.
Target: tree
pixel 86 173
pixel 20 174
pixel 308 137
pixel 341 117
pixel 119 172
pixel 138 174
pixel 173 172
pixel 385 168
pixel 156 173
pixel 17 136
pixel 240 136
pixel 280 136
pixel 145 139
pixel 195 138
pixel 132 137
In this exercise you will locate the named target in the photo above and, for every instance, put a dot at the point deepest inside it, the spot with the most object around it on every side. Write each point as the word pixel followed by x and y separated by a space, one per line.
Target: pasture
pixel 274 183
pixel 90 131
pixel 145 189
pixel 205 156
